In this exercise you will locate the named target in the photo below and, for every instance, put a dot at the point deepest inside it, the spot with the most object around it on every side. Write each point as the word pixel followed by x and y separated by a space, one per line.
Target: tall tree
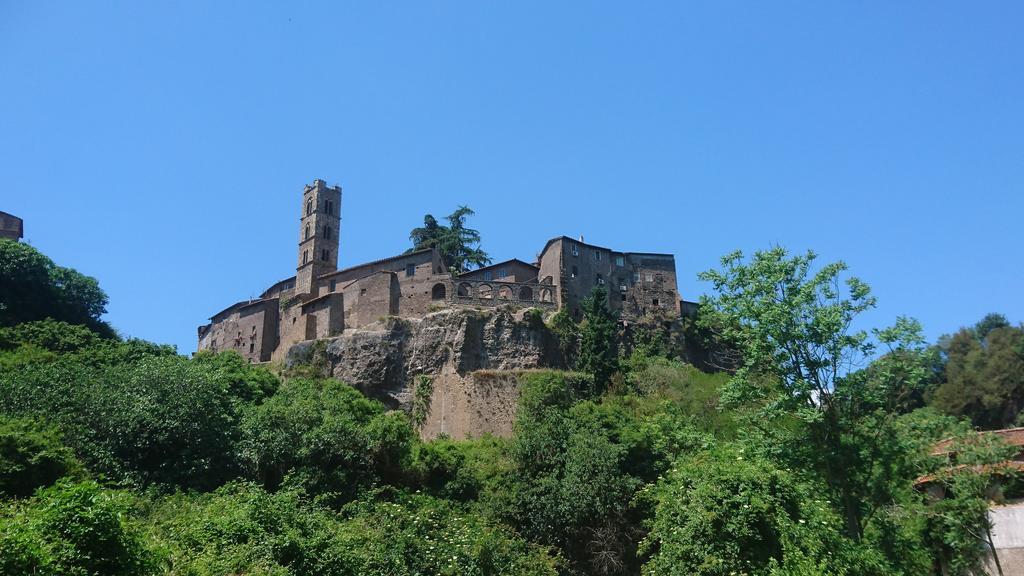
pixel 598 350
pixel 458 244
pixel 801 381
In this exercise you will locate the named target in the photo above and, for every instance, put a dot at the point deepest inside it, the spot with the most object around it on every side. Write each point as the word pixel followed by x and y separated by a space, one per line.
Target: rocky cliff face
pixel 451 347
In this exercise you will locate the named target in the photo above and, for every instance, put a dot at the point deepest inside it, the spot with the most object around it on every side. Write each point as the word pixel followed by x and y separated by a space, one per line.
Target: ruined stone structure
pixel 11 227
pixel 322 302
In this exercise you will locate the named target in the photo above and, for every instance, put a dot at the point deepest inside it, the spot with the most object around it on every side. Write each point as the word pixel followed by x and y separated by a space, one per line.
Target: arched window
pixel 525 293
pixel 309 207
pixel 307 232
pixel 438 292
pixel 505 293
pixel 305 256
pixel 545 295
pixel 485 291
pixel 464 289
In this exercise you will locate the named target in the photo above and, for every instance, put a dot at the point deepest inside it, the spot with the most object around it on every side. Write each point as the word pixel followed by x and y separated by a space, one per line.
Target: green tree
pixel 799 384
pixel 598 346
pixel 458 244
pixel 984 374
pixel 32 287
pixel 569 486
pixel 726 512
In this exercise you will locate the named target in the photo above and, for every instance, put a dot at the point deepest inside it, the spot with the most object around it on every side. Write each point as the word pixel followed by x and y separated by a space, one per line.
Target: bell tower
pixel 319 228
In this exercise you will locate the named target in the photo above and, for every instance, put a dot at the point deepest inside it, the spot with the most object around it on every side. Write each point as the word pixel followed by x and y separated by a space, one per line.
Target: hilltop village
pixel 321 301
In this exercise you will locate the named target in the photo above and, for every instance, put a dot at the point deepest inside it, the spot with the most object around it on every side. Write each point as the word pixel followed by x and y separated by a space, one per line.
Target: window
pixel 410 269
pixel 648 277
pixel 636 277
pixel 309 207
pixel 251 347
pixel 620 261
pixel 575 272
pixel 487 274
pixel 575 250
pixel 305 256
pixel 325 255
pixel 327 232
pixel 597 255
pixel 307 232
pixel 656 303
pixel 502 272
pixel 623 297
pixel 329 207
pixel 334 284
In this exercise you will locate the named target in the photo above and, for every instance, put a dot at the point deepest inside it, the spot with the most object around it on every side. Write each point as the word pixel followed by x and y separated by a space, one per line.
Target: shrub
pixel 328 436
pixel 73 530
pixel 31 456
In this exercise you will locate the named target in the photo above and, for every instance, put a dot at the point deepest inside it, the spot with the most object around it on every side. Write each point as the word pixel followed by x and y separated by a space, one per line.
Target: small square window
pixel 410 270
pixel 502 273
pixel 648 277
pixel 656 303
pixel 620 261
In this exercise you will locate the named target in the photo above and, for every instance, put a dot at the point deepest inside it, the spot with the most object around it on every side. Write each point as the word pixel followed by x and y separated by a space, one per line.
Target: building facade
pixel 11 227
pixel 320 301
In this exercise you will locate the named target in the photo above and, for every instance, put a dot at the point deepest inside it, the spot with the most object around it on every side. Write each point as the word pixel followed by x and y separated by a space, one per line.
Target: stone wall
pixel 249 328
pixel 11 227
pixel 384 359
pixel 637 283
pixel 493 293
pixel 370 299
pixel 324 316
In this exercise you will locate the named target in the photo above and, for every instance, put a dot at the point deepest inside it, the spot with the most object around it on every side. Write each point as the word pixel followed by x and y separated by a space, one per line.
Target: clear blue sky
pixel 162 147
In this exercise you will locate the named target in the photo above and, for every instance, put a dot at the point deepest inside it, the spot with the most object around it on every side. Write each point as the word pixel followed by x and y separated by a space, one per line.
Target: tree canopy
pixel 32 287
pixel 458 244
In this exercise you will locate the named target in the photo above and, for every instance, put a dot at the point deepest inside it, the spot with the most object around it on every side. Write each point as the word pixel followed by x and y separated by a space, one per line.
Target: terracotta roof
pixel 998 468
pixel 1012 436
pixel 241 305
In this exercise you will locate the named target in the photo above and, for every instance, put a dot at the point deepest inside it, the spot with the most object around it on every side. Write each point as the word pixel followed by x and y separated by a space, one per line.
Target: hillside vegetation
pixel 121 457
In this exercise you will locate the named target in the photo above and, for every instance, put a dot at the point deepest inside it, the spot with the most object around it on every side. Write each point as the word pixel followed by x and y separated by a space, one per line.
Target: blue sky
pixel 162 147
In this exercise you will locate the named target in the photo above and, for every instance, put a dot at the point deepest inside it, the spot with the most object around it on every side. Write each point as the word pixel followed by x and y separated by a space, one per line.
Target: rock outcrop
pixel 470 356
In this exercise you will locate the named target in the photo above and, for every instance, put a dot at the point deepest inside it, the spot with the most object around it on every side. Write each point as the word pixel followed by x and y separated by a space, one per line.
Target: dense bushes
pixel 31 456
pixel 73 530
pixel 330 438
pixel 163 419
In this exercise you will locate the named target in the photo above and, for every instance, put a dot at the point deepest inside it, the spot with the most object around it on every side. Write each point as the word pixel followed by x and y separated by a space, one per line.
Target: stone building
pixel 11 227
pixel 321 301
